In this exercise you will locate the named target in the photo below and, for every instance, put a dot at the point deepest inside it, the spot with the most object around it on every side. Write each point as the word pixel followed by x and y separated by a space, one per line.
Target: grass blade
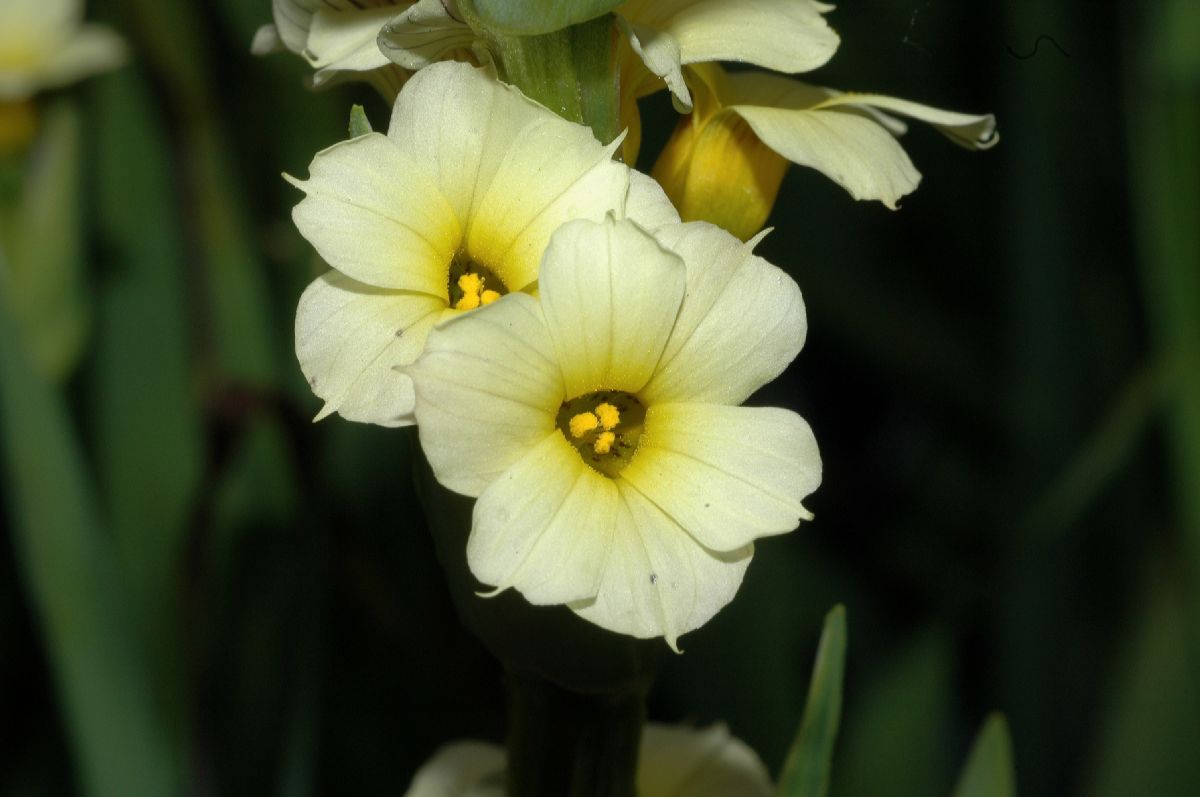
pixel 806 772
pixel 989 768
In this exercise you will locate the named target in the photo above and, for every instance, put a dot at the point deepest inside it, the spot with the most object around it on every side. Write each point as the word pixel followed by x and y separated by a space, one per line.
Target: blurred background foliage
pixel 202 592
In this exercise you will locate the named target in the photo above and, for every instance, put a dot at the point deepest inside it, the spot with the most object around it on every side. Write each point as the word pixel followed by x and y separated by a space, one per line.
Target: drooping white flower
pixel 726 159
pixel 45 44
pixel 789 36
pixel 337 38
pixel 448 211
pixel 674 761
pixel 600 432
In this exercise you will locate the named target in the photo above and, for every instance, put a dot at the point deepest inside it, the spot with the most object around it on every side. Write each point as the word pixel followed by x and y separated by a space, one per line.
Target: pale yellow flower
pixel 600 432
pixel 45 44
pixel 674 761
pixel 448 211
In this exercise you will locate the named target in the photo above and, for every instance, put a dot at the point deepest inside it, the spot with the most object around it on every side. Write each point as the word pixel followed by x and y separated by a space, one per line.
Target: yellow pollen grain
pixel 489 296
pixel 469 301
pixel 604 442
pixel 609 415
pixel 583 423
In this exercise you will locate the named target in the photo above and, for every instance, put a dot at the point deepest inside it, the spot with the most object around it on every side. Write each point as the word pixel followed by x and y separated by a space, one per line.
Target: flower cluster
pixel 575 339
pixel 573 354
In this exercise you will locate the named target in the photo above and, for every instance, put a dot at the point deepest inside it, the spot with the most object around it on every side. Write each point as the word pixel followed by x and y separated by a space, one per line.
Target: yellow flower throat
pixel 604 427
pixel 472 285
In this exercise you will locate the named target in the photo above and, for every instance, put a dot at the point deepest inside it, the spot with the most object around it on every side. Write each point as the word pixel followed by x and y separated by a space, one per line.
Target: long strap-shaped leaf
pixel 989 768
pixel 70 576
pixel 807 769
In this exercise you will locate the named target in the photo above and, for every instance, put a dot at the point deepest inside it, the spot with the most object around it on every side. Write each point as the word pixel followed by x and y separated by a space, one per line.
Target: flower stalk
pixel 566 743
pixel 572 71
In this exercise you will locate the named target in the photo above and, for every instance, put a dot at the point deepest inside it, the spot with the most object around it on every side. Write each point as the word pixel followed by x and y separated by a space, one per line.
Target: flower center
pixel 605 428
pixel 472 285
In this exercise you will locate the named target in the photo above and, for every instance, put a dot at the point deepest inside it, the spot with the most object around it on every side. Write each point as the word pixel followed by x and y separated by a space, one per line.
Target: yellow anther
pixel 470 283
pixel 583 423
pixel 604 442
pixel 489 296
pixel 609 415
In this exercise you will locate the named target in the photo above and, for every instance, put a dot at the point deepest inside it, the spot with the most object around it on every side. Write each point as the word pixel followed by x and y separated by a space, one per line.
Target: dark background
pixel 1002 376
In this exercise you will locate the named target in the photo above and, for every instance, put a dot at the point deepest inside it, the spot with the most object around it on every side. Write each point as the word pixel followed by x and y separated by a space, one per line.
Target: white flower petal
pixel 488 389
pixel 515 169
pixel 741 323
pixel 674 761
pixel 728 475
pixel 458 122
pixel 660 53
pixel 345 40
pixel 647 203
pixel 845 136
pixel 461 769
pixel 852 150
pixel 266 41
pixel 610 294
pixel 973 131
pixel 422 34
pixel 350 338
pixel 657 581
pixel 556 172
pixel 544 527
pixel 90 49
pixel 292 20
pixel 783 35
pixel 374 215
pixel 678 761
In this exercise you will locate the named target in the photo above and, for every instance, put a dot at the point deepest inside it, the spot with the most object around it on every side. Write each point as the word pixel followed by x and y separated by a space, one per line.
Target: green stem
pixel 566 743
pixel 572 71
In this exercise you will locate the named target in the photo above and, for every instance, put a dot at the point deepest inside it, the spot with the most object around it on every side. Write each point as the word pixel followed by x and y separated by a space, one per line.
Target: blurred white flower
pixel 337 38
pixel 674 761
pixel 45 44
pixel 598 428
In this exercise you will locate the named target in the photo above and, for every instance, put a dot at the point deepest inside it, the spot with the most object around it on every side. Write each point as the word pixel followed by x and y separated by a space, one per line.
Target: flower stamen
pixel 604 427
pixel 469 285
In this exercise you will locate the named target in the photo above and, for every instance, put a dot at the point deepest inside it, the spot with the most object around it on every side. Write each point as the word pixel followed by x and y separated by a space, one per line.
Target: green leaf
pixel 1148 726
pixel 72 582
pixel 1164 94
pixel 145 411
pixel 897 726
pixel 989 768
pixel 360 125
pixel 234 280
pixel 806 772
pixel 532 17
